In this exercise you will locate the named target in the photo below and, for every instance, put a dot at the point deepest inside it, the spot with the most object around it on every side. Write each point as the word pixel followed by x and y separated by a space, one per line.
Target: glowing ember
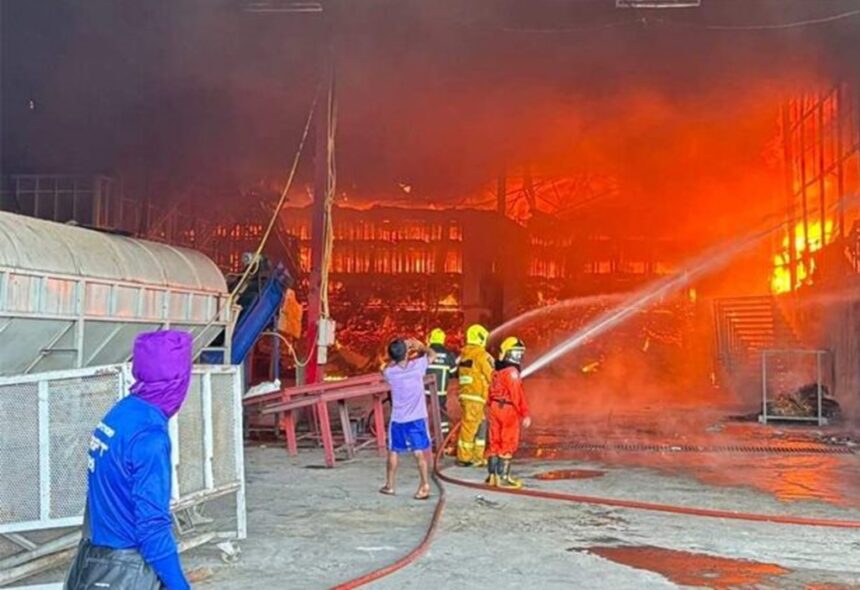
pixel 693 569
pixel 591 367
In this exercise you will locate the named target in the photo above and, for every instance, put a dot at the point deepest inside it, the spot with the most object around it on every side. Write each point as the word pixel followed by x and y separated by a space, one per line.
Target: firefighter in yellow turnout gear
pixel 475 370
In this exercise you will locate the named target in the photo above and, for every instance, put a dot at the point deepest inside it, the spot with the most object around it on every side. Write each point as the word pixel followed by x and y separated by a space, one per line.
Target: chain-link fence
pixel 47 421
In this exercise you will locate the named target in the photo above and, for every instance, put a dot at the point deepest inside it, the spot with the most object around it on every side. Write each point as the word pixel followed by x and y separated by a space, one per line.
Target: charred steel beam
pixel 788 153
pixel 502 193
pixel 657 3
pixel 282 6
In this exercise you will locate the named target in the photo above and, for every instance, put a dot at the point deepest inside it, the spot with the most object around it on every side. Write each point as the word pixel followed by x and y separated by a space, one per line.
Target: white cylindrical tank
pixel 73 297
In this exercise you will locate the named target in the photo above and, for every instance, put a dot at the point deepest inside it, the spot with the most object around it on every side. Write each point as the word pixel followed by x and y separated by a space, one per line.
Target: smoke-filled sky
pixel 199 97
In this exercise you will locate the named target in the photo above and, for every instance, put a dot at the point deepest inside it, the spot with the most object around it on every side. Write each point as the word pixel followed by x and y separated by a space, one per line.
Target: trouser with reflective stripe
pixel 470 445
pixel 443 411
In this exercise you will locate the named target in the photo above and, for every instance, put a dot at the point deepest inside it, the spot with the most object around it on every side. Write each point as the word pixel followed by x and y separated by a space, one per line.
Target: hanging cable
pixel 643 19
pixel 254 263
pixel 255 259
pixel 331 184
pixel 766 26
pixel 289 345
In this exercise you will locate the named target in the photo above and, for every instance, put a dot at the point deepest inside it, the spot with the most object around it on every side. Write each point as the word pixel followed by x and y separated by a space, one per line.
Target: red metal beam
pixel 321 399
pixel 290 392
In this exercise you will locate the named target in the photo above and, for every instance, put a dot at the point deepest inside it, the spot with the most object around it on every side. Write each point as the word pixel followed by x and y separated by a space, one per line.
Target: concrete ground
pixel 315 528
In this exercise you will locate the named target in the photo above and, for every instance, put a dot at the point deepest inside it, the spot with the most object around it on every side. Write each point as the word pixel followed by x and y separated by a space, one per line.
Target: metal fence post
pixel 173 429
pixel 818 381
pixel 241 512
pixel 764 387
pixel 208 434
pixel 44 452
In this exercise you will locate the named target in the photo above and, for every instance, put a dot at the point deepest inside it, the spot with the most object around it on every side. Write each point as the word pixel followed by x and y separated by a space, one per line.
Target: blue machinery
pixel 256 317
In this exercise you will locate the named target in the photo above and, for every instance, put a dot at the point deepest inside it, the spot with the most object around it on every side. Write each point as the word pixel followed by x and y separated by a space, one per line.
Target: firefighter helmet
pixel 437 336
pixel 477 334
pixel 512 350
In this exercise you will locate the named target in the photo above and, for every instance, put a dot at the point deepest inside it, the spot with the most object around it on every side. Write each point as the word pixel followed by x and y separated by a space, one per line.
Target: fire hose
pixel 439 476
pixel 424 545
pixel 650 506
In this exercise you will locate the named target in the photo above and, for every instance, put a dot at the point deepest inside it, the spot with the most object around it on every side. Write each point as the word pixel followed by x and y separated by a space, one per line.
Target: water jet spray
pixel 707 262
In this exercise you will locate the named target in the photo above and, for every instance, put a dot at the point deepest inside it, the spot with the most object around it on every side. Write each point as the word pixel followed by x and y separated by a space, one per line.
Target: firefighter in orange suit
pixel 474 370
pixel 506 410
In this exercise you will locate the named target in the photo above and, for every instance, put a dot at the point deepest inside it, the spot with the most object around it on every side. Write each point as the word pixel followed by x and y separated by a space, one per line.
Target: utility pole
pixel 320 329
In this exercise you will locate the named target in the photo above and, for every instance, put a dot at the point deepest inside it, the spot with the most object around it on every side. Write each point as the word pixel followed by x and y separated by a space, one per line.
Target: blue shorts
pixel 408 437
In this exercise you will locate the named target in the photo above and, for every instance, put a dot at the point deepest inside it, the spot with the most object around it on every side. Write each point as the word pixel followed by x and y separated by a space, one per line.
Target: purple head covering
pixel 161 366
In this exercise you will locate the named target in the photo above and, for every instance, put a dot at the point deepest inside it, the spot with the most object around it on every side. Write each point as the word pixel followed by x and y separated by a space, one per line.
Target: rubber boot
pixel 492 468
pixel 480 445
pixel 507 480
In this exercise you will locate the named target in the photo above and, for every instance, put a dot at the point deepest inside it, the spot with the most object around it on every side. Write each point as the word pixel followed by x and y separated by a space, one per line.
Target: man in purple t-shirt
pixel 407 430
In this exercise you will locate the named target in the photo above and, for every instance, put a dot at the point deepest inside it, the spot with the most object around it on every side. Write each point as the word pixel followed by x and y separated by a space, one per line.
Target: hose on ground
pixel 439 476
pixel 424 545
pixel 652 506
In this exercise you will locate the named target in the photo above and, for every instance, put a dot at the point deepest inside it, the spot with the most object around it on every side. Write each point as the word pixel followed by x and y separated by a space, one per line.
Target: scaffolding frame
pixel 101 202
pixel 821 148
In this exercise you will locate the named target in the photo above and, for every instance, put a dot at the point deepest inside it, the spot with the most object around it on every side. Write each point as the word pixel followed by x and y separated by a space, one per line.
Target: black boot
pixel 493 470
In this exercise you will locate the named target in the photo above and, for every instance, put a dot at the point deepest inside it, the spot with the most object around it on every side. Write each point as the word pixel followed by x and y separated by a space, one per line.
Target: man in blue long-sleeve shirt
pixel 128 497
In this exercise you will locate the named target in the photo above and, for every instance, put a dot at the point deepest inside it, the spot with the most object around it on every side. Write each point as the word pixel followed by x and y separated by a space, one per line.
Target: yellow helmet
pixel 477 334
pixel 437 336
pixel 512 350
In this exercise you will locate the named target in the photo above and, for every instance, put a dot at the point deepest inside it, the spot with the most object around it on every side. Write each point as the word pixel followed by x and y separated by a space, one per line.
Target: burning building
pixel 659 197
pixel 625 153
pixel 398 270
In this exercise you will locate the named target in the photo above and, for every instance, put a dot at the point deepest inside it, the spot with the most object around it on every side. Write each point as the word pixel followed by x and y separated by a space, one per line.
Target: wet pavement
pixel 694 569
pixel 788 463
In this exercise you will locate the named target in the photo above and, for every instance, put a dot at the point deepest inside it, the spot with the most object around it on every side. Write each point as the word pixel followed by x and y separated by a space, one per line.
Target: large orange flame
pixel 816 239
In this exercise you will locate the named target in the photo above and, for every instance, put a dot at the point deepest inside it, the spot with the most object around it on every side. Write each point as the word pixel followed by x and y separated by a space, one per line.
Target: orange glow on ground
pixel 693 569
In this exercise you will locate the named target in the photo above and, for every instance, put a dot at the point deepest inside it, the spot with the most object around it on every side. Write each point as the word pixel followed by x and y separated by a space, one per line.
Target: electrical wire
pixel 645 20
pixel 255 260
pixel 289 345
pixel 331 184
pixel 254 264
pixel 766 26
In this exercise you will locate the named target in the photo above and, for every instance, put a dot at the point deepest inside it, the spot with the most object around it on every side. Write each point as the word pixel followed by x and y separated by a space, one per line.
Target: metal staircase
pixel 744 327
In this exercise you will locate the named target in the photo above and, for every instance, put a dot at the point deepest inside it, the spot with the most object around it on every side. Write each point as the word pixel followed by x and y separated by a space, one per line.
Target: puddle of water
pixel 693 569
pixel 569 474
pixel 801 475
